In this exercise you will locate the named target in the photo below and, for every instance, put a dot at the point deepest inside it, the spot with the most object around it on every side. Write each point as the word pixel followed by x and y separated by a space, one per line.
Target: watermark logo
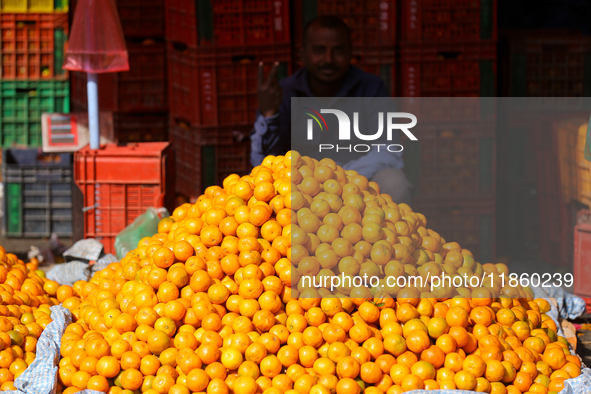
pixel 314 116
pixel 388 122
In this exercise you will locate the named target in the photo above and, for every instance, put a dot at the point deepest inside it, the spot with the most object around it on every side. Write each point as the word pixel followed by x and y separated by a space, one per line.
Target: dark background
pixel 545 14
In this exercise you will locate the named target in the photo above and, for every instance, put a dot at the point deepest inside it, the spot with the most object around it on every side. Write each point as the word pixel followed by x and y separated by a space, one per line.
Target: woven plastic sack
pixel 144 225
pixel 69 273
pixel 567 306
pixel 102 263
pixel 41 376
pixel 86 250
pixel 96 43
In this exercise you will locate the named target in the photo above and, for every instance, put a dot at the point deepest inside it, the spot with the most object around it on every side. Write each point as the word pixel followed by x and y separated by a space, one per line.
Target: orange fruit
pixel 163 258
pixel 131 379
pixel 245 384
pixel 555 357
pixel 457 316
pixel 370 372
pixel 464 380
pixel 347 386
pixel 424 370
pixel 80 379
pixel 64 292
pixel 412 382
pixel 433 355
pixel 98 383
pixel 348 367
pixel 417 341
pixel 460 335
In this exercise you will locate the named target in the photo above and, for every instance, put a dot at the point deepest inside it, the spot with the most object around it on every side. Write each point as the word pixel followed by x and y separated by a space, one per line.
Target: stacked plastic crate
pixel 138 98
pixel 448 49
pixel 120 182
pixel 541 65
pixel 214 48
pixel 37 189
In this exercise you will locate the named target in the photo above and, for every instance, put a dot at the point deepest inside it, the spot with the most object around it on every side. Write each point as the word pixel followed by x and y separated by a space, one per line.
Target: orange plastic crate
pixel 120 182
pixel 33 45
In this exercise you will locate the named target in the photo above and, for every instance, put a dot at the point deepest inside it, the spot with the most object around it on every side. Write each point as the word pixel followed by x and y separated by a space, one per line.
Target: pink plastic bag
pixel 96 42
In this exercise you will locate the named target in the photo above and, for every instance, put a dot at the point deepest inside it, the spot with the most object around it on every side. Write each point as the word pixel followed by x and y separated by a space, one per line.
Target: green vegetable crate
pixel 21 106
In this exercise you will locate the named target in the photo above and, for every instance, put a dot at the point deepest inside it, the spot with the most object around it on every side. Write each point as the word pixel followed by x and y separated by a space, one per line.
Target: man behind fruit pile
pixel 327 72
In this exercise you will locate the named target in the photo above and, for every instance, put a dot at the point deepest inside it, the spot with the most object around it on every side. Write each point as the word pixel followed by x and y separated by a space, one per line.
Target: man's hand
pixel 270 93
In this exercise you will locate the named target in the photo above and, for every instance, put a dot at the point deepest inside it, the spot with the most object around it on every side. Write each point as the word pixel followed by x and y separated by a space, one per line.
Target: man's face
pixel 326 53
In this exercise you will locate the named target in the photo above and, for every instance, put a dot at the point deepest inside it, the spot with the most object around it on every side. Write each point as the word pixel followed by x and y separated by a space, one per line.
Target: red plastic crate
pixel 33 45
pixel 372 22
pixel 469 222
pixel 141 89
pixel 201 162
pixel 467 70
pixel 149 127
pixel 139 18
pixel 448 21
pixel 215 87
pixel 452 160
pixel 582 258
pixel 223 23
pixel 545 63
pixel 119 182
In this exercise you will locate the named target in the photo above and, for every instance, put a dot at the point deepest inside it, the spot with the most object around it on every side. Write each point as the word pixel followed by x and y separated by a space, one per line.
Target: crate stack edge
pixel 32 80
pixel 120 182
pixel 449 49
pixel 213 51
pixel 541 65
pixel 36 200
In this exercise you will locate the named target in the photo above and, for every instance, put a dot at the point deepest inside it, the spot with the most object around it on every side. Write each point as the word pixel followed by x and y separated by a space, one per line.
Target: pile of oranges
pixel 215 302
pixel 25 298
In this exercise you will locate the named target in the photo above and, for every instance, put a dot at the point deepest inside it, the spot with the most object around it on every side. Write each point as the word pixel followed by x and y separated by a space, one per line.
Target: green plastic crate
pixel 21 106
pixel 60 37
pixel 61 5
pixel 14 209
